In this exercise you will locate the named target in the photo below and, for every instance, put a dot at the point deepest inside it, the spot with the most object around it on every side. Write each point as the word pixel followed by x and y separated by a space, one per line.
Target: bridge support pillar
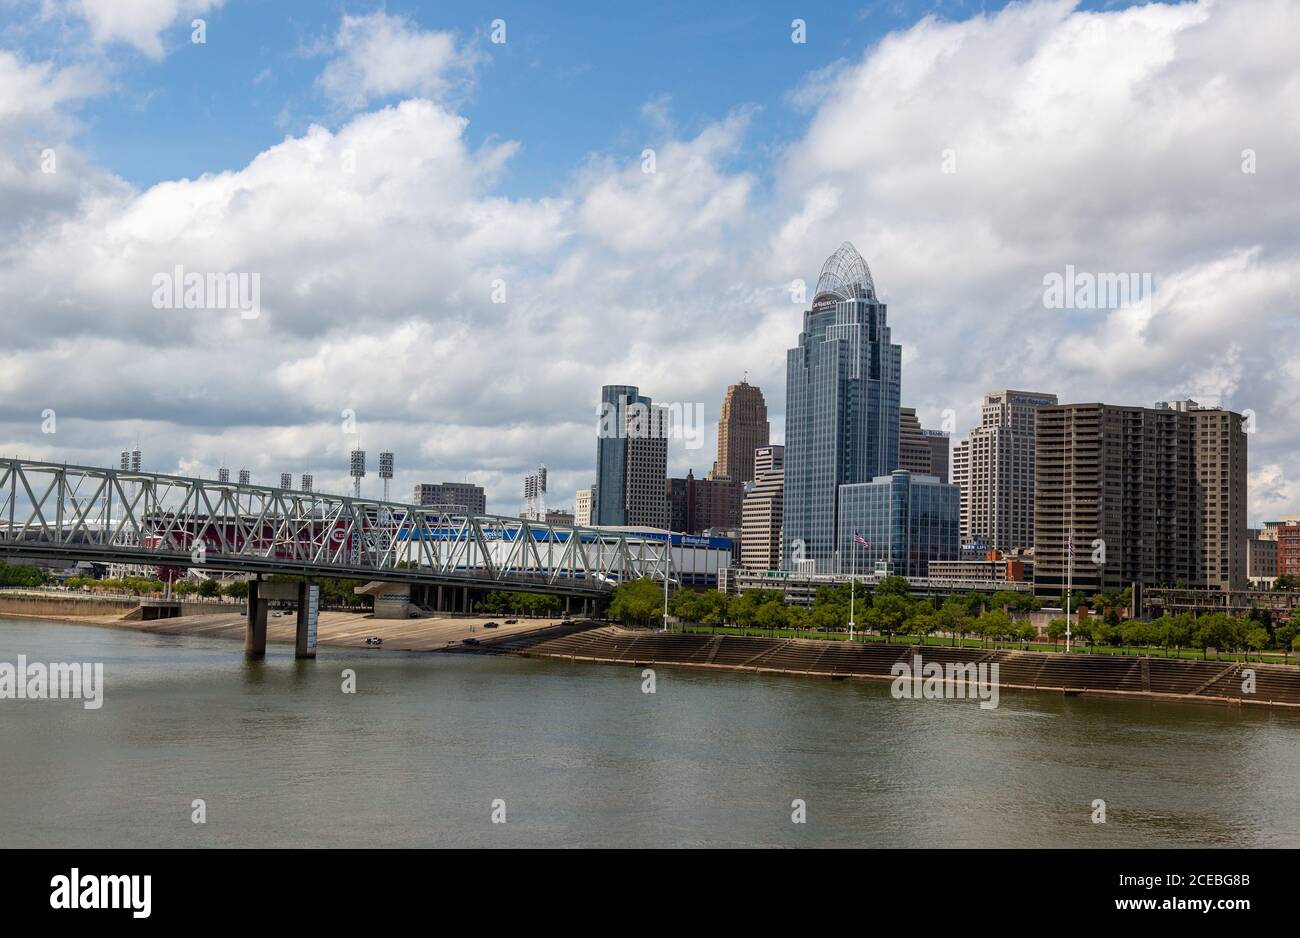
pixel 255 632
pixel 464 599
pixel 440 606
pixel 305 644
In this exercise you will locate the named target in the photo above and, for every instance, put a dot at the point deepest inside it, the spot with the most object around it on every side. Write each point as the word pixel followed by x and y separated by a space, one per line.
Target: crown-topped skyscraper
pixel 842 400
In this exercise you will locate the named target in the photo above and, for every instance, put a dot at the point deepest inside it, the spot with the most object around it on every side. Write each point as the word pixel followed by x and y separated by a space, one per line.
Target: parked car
pixel 489 625
pixel 512 621
pixel 374 640
pixel 470 641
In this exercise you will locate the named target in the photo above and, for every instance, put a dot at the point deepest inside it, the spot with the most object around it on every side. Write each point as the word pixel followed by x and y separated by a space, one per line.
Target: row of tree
pixel 21 574
pixel 887 609
pixel 1217 630
pixel 502 602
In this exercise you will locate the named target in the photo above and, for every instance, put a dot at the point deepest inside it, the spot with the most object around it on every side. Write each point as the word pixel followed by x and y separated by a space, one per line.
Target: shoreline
pixel 1133 678
pixel 590 642
pixel 334 629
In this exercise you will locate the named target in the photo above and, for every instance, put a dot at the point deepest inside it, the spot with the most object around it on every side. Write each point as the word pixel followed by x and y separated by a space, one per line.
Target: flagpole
pixel 853 581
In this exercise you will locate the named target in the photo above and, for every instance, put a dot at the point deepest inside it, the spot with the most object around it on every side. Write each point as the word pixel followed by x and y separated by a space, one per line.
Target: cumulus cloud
pixel 380 55
pixel 1113 142
pixel 136 23
pixel 1109 141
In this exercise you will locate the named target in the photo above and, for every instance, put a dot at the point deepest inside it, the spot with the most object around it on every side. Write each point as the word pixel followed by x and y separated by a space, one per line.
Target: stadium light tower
pixel 357 470
pixel 286 481
pixel 386 471
pixel 307 481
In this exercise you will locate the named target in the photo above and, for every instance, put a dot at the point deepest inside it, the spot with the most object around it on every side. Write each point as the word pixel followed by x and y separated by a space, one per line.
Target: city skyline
pixel 378 320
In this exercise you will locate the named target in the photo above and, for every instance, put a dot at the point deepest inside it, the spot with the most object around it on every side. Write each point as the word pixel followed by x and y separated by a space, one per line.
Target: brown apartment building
pixel 1154 495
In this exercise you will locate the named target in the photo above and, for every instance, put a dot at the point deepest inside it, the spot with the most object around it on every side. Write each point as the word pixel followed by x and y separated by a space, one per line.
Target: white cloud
pixel 380 55
pixel 1110 141
pixel 137 23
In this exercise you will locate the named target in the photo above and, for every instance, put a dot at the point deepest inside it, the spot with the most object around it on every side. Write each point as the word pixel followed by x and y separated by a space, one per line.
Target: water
pixel 581 756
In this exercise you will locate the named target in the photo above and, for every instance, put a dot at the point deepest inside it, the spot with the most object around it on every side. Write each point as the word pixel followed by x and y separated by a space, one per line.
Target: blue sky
pixel 572 79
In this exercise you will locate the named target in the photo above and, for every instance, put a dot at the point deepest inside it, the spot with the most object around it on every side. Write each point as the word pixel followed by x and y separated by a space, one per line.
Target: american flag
pixel 859 539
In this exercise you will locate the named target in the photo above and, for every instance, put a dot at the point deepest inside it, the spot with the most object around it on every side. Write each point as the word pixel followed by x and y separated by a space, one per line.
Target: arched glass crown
pixel 842 274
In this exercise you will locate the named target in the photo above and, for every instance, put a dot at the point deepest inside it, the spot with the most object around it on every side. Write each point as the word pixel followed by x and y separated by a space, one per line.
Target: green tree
pixel 921 622
pixel 1056 629
pixel 1285 637
pixel 888 612
pixel 772 615
pixel 993 625
pixel 893 586
pixel 1256 639
pixel 637 602
pixel 209 589
pixel 953 617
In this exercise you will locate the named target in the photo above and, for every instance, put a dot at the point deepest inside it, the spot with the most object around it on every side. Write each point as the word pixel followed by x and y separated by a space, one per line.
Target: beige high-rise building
pixel 742 429
pixel 582 502
pixel 760 534
pixel 1219 446
pixel 914 453
pixel 1149 495
pixel 994 467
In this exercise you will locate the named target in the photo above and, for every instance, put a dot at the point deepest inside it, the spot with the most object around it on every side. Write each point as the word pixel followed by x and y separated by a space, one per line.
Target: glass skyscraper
pixel 611 452
pixel 842 402
pixel 907 520
pixel 631 459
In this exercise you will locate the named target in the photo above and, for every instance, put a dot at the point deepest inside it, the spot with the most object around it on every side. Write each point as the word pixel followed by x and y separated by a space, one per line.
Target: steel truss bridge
pixel 83 513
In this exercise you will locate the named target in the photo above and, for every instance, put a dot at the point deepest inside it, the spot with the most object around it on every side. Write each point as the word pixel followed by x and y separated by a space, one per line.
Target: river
pixel 578 755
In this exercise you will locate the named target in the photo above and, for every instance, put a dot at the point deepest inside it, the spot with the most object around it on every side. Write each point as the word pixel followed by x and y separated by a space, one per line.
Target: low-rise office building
pixel 907 521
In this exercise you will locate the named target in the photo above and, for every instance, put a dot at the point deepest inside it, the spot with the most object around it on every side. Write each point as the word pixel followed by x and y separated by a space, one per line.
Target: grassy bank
pixel 1190 654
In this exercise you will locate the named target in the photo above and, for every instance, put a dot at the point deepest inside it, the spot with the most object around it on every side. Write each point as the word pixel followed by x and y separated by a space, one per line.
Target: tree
pixel 828 617
pixel 888 612
pixel 209 588
pixel 1056 629
pixel 953 617
pixel 21 574
pixel 1256 639
pixel 744 609
pixel 772 615
pixel 1285 636
pixel 993 625
pixel 637 602
pixel 893 586
pixel 921 622
pixel 237 590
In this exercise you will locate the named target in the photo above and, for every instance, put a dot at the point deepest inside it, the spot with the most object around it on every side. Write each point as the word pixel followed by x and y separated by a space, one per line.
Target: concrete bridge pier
pixel 305 643
pixel 255 633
